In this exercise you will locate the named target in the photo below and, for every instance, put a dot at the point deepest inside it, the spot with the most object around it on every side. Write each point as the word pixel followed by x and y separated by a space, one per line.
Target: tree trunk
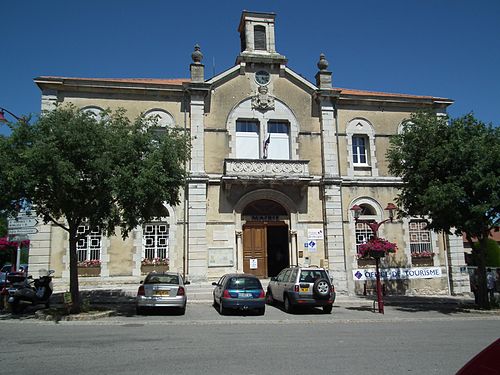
pixel 483 300
pixel 73 272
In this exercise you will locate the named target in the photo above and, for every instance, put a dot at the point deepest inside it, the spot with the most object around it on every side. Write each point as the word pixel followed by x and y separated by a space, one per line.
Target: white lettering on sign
pixel 363 274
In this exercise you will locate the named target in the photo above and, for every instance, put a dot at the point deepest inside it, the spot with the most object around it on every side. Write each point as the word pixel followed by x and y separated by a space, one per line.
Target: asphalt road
pixel 349 341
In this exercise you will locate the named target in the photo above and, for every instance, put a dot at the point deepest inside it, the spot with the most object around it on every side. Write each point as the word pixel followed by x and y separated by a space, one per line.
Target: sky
pixel 442 48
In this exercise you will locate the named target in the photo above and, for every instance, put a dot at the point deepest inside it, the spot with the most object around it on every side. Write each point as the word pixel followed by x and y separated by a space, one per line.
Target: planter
pixel 89 271
pixel 145 269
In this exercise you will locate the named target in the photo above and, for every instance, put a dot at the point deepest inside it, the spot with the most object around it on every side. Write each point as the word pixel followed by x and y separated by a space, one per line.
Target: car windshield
pixel 243 283
pixel 310 276
pixel 162 279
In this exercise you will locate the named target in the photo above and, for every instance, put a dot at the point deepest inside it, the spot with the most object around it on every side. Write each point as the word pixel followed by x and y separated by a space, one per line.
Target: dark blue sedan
pixel 239 292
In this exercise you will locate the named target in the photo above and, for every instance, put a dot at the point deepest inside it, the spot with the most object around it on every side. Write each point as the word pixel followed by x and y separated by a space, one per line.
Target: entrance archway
pixel 266 249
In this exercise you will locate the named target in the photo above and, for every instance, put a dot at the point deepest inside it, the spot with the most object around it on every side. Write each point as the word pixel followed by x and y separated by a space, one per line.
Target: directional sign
pixel 26 230
pixel 22 222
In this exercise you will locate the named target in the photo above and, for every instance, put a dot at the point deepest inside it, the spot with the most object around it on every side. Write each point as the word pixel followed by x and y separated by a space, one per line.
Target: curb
pixel 44 315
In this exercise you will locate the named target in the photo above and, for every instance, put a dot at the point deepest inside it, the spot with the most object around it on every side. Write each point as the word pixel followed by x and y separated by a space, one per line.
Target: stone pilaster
pixel 197 234
pixel 457 270
pixel 49 100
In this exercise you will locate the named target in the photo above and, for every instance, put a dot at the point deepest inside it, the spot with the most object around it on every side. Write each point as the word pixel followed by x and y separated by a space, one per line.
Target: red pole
pixel 379 288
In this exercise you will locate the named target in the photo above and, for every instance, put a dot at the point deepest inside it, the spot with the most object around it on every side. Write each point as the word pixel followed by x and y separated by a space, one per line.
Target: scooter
pixel 23 293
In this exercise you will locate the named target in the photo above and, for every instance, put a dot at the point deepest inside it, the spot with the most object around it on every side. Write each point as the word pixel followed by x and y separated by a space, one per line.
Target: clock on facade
pixel 262 77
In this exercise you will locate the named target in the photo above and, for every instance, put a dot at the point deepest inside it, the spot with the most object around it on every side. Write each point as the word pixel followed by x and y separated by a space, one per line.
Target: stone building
pixel 277 162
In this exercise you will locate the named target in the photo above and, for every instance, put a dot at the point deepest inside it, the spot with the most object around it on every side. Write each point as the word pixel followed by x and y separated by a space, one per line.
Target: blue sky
pixel 446 48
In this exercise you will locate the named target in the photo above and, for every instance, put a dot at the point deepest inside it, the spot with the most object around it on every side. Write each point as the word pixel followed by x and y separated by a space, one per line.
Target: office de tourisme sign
pixel 363 274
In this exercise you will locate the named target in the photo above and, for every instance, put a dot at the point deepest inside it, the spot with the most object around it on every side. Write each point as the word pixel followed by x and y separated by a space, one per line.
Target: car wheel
pixel 182 310
pixel 288 305
pixel 321 289
pixel 16 307
pixel 269 298
pixel 139 310
pixel 214 304
pixel 327 309
pixel 222 309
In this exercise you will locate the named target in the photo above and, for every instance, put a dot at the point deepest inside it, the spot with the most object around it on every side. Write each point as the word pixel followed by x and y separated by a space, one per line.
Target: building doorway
pixel 265 238
pixel 278 255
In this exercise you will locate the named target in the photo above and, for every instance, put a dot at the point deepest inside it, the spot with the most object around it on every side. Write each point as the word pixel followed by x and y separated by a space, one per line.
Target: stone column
pixel 239 251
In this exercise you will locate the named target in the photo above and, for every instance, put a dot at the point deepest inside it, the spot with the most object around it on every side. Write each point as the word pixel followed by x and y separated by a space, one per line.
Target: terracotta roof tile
pixel 386 94
pixel 174 81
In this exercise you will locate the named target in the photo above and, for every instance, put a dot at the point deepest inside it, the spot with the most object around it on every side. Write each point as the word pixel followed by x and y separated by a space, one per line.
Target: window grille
pixel 155 240
pixel 89 246
pixel 363 235
pixel 420 237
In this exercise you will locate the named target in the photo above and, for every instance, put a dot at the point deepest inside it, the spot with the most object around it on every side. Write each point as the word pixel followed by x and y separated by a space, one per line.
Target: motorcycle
pixel 25 291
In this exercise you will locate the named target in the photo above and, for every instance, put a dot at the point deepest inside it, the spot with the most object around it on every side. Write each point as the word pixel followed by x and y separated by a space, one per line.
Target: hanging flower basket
pixel 376 248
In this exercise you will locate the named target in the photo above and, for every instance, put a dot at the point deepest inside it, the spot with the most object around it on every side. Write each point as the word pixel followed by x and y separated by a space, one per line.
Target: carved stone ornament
pixel 263 101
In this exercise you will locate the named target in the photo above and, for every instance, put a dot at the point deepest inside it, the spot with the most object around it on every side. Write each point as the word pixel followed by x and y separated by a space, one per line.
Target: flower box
pixel 89 271
pixel 147 268
pixel 422 255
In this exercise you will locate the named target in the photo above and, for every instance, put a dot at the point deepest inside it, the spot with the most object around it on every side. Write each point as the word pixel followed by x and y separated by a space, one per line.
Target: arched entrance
pixel 265 238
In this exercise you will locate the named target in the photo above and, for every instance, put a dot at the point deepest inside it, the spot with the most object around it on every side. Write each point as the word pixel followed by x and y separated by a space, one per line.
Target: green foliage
pixel 450 170
pixel 492 254
pixel 108 171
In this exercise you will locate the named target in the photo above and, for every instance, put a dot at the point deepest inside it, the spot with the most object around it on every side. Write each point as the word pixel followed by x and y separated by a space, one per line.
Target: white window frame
pixel 359 127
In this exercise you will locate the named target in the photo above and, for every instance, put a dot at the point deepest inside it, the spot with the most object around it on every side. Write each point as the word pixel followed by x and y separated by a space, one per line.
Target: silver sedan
pixel 162 289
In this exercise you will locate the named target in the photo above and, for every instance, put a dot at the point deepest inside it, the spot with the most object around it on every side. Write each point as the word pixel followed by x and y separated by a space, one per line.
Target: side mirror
pixel 187 282
pixel 142 282
pixel 273 278
pixel 214 283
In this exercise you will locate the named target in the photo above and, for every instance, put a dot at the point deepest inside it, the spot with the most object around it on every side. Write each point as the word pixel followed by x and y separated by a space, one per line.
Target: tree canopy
pixel 451 173
pixel 105 171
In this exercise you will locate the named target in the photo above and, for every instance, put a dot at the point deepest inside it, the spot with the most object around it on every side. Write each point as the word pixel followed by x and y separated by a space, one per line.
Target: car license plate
pixel 163 293
pixel 303 290
pixel 245 295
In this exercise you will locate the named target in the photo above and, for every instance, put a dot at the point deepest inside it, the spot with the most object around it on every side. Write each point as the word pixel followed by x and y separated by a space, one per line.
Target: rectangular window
pixel 363 234
pixel 247 139
pixel 88 247
pixel 278 146
pixel 359 150
pixel 155 240
pixel 420 238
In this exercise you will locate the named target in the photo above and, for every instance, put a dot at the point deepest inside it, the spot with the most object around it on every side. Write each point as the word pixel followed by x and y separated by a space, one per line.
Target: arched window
pixel 259 33
pixel 94 111
pixel 160 121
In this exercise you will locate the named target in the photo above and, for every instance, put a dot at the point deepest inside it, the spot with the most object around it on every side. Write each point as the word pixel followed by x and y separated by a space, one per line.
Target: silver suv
pixel 302 286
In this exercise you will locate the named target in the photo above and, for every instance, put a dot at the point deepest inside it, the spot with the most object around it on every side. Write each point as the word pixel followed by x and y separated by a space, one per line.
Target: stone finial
pixel 197 56
pixel 322 63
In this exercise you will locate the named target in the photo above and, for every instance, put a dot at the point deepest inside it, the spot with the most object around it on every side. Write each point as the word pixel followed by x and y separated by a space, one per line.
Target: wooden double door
pixel 265 248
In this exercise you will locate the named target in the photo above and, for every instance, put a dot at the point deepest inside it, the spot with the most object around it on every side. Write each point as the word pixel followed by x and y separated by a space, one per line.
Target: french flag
pixel 266 145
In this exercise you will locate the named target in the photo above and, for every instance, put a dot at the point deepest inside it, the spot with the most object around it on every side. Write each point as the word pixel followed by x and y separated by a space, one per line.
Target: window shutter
pixel 259 33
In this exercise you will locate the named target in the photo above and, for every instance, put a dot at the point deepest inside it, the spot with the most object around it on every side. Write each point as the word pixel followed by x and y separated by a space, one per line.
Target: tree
pixel 451 173
pixel 106 172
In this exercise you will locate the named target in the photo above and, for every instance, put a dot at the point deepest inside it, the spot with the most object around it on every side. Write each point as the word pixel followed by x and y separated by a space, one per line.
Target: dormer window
pixel 259 33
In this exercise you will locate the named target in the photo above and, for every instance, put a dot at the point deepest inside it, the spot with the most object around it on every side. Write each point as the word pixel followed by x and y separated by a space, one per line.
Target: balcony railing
pixel 262 168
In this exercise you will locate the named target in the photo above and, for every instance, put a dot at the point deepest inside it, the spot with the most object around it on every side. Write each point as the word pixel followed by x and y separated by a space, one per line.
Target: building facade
pixel 276 164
